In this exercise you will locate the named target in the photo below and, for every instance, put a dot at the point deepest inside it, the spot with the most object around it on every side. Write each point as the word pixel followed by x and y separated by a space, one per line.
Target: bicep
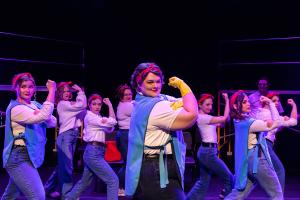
pixel 183 120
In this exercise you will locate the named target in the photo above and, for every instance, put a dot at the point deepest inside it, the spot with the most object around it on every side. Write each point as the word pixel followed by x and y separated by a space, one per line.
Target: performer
pixel 208 152
pixel 25 138
pixel 254 98
pixel 124 110
pixel 70 116
pixel 252 159
pixel 265 114
pixel 95 128
pixel 156 151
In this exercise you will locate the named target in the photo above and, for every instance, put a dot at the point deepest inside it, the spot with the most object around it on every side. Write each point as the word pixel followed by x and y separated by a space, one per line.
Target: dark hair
pixel 60 90
pixel 263 78
pixel 203 97
pixel 19 78
pixel 120 91
pixel 237 99
pixel 142 70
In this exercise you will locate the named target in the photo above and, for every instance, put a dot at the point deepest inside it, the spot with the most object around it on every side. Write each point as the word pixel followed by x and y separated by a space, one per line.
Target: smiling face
pixel 151 86
pixel 127 95
pixel 206 106
pixel 25 91
pixel 95 106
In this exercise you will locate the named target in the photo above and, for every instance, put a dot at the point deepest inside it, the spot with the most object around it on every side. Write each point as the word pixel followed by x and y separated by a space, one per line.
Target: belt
pixel 156 156
pixel 211 145
pixel 95 143
pixel 18 146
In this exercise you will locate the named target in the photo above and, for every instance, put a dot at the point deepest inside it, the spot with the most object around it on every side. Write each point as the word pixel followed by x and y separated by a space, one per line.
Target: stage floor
pixel 97 190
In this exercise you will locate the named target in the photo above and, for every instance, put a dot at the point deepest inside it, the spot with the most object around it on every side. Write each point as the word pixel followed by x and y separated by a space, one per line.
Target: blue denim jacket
pixel 242 153
pixel 34 137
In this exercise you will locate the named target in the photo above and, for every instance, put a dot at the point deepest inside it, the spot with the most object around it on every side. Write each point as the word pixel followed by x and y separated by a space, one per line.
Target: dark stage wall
pixel 187 39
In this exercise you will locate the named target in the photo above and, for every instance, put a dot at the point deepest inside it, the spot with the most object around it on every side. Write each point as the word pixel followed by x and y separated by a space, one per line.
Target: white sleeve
pixel 274 111
pixel 51 123
pixel 204 119
pixel 259 125
pixel 24 115
pixel 163 116
pixel 127 109
pixel 98 121
pixel 79 105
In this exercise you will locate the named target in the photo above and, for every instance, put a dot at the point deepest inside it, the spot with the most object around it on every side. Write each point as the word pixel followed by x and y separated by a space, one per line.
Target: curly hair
pixel 142 70
pixel 120 91
pixel 237 100
pixel 60 91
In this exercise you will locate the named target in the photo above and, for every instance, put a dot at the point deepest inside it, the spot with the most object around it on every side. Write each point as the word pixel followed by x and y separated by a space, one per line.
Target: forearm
pixel 226 110
pixel 294 112
pixel 51 96
pixel 274 112
pixel 111 112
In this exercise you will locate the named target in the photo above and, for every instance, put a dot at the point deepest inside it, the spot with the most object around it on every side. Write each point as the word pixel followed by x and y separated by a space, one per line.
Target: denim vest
pixel 242 153
pixel 34 137
pixel 138 125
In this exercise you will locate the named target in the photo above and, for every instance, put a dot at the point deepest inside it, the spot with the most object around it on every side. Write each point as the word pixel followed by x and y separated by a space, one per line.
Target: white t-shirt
pixel 95 127
pixel 124 111
pixel 71 113
pixel 23 114
pixel 208 131
pixel 160 121
pixel 265 114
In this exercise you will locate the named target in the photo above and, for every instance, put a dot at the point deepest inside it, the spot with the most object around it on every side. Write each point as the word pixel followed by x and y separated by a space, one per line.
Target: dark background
pixel 189 39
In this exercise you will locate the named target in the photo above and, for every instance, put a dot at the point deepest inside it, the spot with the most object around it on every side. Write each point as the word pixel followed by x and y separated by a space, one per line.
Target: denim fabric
pixel 122 145
pixel 62 175
pixel 209 164
pixel 149 184
pixel 24 178
pixel 278 166
pixel 266 177
pixel 96 166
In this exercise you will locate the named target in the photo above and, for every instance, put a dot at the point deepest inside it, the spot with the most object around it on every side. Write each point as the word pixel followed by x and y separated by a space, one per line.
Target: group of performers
pixel 149 138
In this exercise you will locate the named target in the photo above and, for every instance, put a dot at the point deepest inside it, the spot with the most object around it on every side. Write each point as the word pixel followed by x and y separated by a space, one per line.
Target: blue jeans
pixel 61 178
pixel 209 164
pixel 278 166
pixel 24 178
pixel 266 177
pixel 96 166
pixel 122 145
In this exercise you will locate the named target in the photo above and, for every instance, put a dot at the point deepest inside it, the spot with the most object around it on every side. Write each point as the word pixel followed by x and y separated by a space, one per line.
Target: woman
pixel 265 114
pixel 70 119
pixel 156 152
pixel 208 152
pixel 95 128
pixel 124 110
pixel 25 138
pixel 252 159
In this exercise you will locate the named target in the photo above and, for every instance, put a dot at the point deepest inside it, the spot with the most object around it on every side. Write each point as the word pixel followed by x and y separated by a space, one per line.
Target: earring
pixel 34 96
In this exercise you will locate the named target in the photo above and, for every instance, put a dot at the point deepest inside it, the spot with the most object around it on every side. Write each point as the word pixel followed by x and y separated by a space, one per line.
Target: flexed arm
pixel 188 115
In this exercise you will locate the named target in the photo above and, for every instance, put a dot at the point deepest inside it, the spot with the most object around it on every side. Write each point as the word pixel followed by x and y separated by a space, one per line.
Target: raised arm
pixel 111 111
pixel 188 115
pixel 222 119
